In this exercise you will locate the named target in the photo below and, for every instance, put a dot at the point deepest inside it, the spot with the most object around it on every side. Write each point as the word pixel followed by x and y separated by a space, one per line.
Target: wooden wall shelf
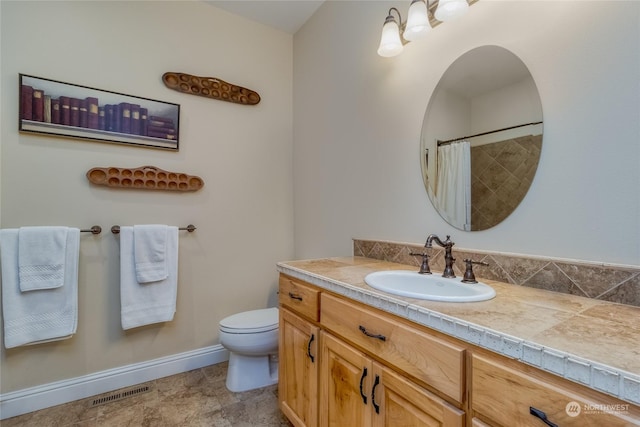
pixel 145 178
pixel 210 87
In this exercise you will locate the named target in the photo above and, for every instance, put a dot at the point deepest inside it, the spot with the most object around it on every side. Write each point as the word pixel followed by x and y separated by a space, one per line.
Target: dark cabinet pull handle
pixel 373 395
pixel 313 337
pixel 364 396
pixel 369 334
pixel 294 296
pixel 538 413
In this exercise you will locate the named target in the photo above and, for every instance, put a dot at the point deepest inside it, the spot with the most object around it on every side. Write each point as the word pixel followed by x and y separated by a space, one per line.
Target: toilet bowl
pixel 252 340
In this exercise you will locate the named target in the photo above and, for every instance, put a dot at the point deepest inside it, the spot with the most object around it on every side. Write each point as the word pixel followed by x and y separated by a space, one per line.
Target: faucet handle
pixel 469 276
pixel 424 268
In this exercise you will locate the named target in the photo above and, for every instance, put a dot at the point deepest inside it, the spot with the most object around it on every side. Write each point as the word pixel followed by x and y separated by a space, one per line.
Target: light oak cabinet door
pixel 298 370
pixel 356 391
pixel 345 381
pixel 397 401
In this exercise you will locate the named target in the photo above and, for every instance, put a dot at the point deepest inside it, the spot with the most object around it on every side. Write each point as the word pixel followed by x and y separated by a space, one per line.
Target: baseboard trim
pixel 44 396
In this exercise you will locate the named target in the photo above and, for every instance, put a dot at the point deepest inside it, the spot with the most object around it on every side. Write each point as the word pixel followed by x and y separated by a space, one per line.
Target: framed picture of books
pixel 52 107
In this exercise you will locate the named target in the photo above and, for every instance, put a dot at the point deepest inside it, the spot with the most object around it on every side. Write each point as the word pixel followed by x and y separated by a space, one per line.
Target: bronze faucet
pixel 469 276
pixel 448 258
pixel 424 267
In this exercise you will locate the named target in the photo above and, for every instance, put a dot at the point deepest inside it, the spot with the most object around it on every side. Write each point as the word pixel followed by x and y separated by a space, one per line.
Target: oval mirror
pixel 481 138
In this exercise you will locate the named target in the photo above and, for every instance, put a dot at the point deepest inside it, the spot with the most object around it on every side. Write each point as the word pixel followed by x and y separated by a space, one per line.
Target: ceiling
pixel 285 15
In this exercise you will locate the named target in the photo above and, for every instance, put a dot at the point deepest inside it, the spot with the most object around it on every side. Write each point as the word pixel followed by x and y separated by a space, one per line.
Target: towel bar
pixel 96 229
pixel 190 228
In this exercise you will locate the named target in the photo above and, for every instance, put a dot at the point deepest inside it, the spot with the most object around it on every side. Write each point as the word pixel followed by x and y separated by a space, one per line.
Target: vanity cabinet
pixel 505 390
pixel 344 363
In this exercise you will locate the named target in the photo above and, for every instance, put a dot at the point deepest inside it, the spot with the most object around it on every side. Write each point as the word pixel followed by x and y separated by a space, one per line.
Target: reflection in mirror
pixel 481 138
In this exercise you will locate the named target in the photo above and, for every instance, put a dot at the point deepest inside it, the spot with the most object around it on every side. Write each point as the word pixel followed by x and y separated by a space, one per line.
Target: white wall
pixel 358 117
pixel 243 153
pixel 514 104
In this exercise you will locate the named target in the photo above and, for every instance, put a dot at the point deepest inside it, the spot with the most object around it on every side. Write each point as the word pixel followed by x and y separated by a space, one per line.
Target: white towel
pixel 42 315
pixel 150 247
pixel 147 303
pixel 41 257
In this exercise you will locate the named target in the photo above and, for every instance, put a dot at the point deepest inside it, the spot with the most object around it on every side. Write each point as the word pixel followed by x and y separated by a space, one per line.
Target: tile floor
pixel 190 399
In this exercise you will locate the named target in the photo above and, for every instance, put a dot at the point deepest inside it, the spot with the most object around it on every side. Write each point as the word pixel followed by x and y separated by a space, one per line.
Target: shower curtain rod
pixel 448 141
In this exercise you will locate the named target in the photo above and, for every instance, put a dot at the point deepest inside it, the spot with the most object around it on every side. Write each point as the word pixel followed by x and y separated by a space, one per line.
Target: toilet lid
pixel 252 321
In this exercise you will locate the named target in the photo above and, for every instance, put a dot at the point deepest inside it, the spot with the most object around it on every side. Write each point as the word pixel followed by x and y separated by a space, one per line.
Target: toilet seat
pixel 251 322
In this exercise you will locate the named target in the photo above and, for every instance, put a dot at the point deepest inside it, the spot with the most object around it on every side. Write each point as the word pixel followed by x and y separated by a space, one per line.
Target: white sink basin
pixel 428 286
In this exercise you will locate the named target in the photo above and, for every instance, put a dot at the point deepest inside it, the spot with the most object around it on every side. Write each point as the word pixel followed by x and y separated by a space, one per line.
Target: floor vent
pixel 120 395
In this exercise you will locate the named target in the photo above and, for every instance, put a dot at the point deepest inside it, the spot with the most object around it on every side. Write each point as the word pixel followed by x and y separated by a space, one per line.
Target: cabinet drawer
pixel 300 297
pixel 505 390
pixel 434 361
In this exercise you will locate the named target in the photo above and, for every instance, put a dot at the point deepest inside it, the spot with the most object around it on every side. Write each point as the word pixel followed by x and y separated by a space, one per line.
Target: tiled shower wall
pixel 609 283
pixel 501 174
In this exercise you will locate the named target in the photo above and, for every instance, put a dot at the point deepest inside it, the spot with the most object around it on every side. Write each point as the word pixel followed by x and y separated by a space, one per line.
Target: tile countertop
pixel 588 341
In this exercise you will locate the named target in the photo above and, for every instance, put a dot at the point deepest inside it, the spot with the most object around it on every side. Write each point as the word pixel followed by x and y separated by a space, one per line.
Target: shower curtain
pixel 453 190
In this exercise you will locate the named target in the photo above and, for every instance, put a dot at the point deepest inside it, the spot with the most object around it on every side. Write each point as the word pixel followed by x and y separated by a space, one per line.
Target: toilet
pixel 252 340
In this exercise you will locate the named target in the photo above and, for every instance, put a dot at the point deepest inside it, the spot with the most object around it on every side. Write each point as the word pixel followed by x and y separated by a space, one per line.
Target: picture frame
pixel 51 107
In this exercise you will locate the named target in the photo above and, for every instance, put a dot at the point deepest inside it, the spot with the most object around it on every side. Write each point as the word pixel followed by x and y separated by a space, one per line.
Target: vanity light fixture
pixel 395 34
